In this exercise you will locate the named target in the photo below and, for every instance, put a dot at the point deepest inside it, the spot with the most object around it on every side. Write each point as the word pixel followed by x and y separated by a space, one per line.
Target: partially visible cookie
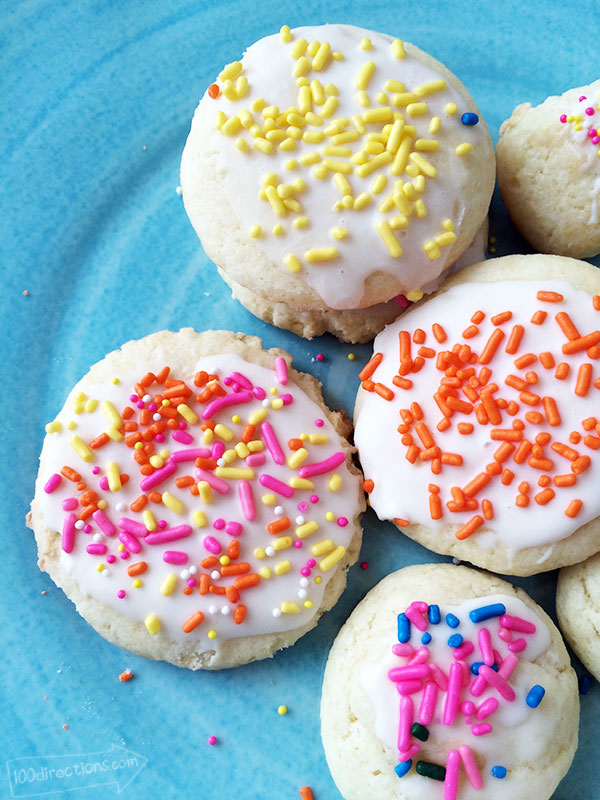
pixel 477 419
pixel 197 500
pixel 333 168
pixel 578 610
pixel 549 172
pixel 448 683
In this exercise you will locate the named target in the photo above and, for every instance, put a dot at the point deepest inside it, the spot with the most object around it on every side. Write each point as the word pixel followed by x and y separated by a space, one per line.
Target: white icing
pixel 520 734
pixel 261 601
pixel 269 69
pixel 401 488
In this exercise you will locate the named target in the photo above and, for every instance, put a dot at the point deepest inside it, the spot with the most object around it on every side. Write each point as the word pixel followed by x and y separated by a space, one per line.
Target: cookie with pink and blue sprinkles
pixel 448 684
pixel 197 500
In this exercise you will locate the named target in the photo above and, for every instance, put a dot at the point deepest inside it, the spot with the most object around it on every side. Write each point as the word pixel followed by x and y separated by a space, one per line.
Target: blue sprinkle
pixel 403 767
pixel 434 615
pixel 426 638
pixel 585 683
pixel 534 698
pixel 452 621
pixel 475 667
pixel 498 771
pixel 403 628
pixel 487 612
pixel 455 640
pixel 469 118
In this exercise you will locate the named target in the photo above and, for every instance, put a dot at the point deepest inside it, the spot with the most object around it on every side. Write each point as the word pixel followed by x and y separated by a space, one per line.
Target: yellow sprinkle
pixel 373 164
pixel 451 108
pixel 156 461
pixel 242 450
pixel 409 191
pixel 316 93
pixel 100 568
pixel 337 56
pixel 212 634
pixel 114 479
pixel 351 356
pixel 300 483
pixel 304 530
pixel 365 44
pixel 282 567
pixel 338 233
pixel 321 254
pixel 420 209
pixel 309 603
pixel 102 504
pixel 207 436
pixel 265 573
pixel 257 416
pixel 232 126
pixel 275 135
pixel 278 230
pixel 259 553
pixel 291 164
pixel 414 296
pixel 137 583
pixel 394 86
pixel 168 585
pixel 332 559
pixel 312 137
pixel 330 516
pixel 337 166
pixel 292 263
pixel 294 132
pixel 334 482
pixel 220 119
pixel 382 114
pixel 268 499
pixel 432 250
pixel 426 168
pixel 398 48
pixel 379 184
pixel 362 200
pixel 321 56
pixel 412 170
pixel 242 145
pixel 54 427
pixel 389 239
pixel 270 112
pixel 364 75
pixel 304 100
pixel 282 543
pixel 329 108
pixel 255 130
pixel 395 136
pixel 322 547
pixel 426 89
pixel 435 123
pixel 173 503
pixel 255 231
pixel 152 622
pixel 463 149
pixel 224 560
pixel 264 145
pixel 91 405
pixel 223 432
pixel 187 413
pixel 386 206
pixel 81 448
pixel 445 238
pixel 298 48
pixel 302 65
pixel 345 137
pixel 347 202
pixel 310 158
pixel 230 71
pixel 363 99
pixel 287 144
pixel 397 223
pixel 313 119
pixel 269 179
pixel 297 458
pixel 114 434
pixel 287 607
pixel 336 126
pixel 235 473
pixel 292 205
pixel 313 47
pixel 149 521
pixel 427 145
pixel 205 491
pixel 229 456
pixel 285 33
pixel 277 404
pixel 300 222
pixel 331 88
pixel 403 99
pixel 374 148
pixel 416 109
pixel 336 150
pixel 419 184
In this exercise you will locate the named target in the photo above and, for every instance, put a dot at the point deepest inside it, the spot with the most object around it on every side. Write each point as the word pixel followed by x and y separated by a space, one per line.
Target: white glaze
pixel 290 421
pixel 401 488
pixel 269 69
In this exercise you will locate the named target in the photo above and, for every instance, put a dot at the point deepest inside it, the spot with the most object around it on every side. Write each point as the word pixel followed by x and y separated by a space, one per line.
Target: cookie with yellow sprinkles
pixel 334 169
pixel 197 500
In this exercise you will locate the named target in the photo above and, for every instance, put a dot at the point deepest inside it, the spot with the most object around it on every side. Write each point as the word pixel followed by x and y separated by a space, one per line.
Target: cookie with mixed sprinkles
pixel 448 684
pixel 477 417
pixel 333 169
pixel 197 500
pixel 548 160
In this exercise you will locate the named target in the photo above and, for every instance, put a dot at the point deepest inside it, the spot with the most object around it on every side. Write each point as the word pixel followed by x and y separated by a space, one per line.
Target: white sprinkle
pixel 302 594
pixel 184 574
pixel 156 417
pixel 79 524
pixel 97 537
pixel 278 511
pixel 276 612
pixel 303 581
pixel 300 520
pixel 221 462
pixel 193 570
pixel 269 551
pixel 212 609
pixel 266 402
pixel 215 574
pixel 225 610
pixel 106 573
pixel 146 398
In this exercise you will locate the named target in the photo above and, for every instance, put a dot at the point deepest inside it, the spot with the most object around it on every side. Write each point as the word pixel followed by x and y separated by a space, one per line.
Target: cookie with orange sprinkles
pixel 477 418
pixel 197 500
pixel 331 170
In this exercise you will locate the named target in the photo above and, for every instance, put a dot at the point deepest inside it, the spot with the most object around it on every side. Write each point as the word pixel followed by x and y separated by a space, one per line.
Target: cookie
pixel 549 172
pixel 446 683
pixel 477 418
pixel 578 610
pixel 333 169
pixel 197 500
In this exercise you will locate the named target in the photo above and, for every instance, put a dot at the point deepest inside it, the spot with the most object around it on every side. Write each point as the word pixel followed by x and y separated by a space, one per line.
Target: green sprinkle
pixel 429 770
pixel 420 732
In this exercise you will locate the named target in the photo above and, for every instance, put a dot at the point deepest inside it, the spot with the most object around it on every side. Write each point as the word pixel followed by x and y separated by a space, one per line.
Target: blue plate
pixel 97 100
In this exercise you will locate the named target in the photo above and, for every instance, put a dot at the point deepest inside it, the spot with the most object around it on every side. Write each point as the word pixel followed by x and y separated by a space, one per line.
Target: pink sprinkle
pixel 467 708
pixel 314 498
pixel 471 767
pixel 406 721
pixel 589 111
pixel 517 624
pixel 233 528
pixel 403 649
pixel 162 523
pixel 416 617
pixel 311 563
pixel 428 702
pixel 68 533
pixel 104 484
pixel 420 656
pixel 110 558
pixel 233 399
pixel 517 645
pixel 191 582
pixel 595 139
pixel 453 693
pixel 482 729
pixel 124 555
pixel 95 470
pixel 175 557
pixel 255 460
pixel 103 522
pixel 439 676
pixel 592 132
pixel 133 398
pixel 464 651
pixel 281 371
pixel 160 475
pixel 505 634
pixel 485 645
pixel 152 407
pixel 121 594
pixel 321 467
pixel 246 500
pixel 342 522
pixel 451 779
pixel 298 544
pixel 277 486
pixel 131 526
pixel 320 357
pixel 272 443
pixel 287 399
pixel 159 438
pixel 259 393
pixel 218 449
pixel 404 755
pixel 212 740
pixel 141 404
pixel 305 571
pixel 563 117
pixel 219 524
pixel 409 672
pixel 242 380
pixel 182 425
pixel 87 528
pixel 218 484
pixel 406 688
pixel 96 549
pixel 169 534
pixel 497 681
pixel 582 98
pixel 212 545
pixel 53 483
pixel 130 542
pixel 190 455
pixel 302 506
pixel 486 708
pixel 319 423
pixel 183 437
pixel 69 504
pixel 508 666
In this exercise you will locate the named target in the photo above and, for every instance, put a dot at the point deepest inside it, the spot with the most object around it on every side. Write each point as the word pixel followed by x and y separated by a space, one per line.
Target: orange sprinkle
pixel 442 405
pixel 383 391
pixel 512 408
pixel 370 367
pixel 402 383
pixel 477 484
pixel 544 497
pixel 426 352
pixel 239 614
pixel 99 441
pixel 209 562
pixel 591 441
pixel 518 425
pixel 412 454
pixel 88 511
pixel 139 502
pixel 306 793
pixel 155 497
pixel 514 339
pixel 507 477
pixel 137 569
pixel 589 423
pixel 582 343
pixel 567 326
pixel 424 434
pixel 241 568
pixel 295 444
pixel 487 509
pixel 453 459
pixel 596 302
pixel 550 297
pixel 368 485
pixel 523 451
pixel 465 428
pixel 594 351
pixel 534 417
pixel 439 333
pixel 547 360
pixel 498 319
pixel 597 383
pixel 584 380
pixel 127 412
pixel 232 594
pixel 405 357
pixel 218 589
pixel 478 317
pixel 401 522
pixel 524 487
pixel 551 411
pixel 419 336
pixel 435 507
pixel 494 415
pixel 544 480
pixel 126 675
pixel 192 622
pixel 436 466
pixel 504 451
pixel 531 377
pixel 562 371
pixel 279 525
pixel 522 501
pixel 70 474
pixel 525 360
pixel 529 398
pixel 506 435
pixel 539 317
pixel 248 433
pixel 543 438
pixel 544 464
pixel 581 464
pixel 470 332
pixel 418 364
pixel 573 509
pixel 574 437
pixel 417 411
pixel 430 453
pixel 407 417
pixel 433 488
pixel 481 414
pixel 213 92
pixel 368 386
pixel 443 424
pixel 491 346
pixel 493 468
pixel 203 583
pixel 469 529
pixel 247 581
pixel 233 549
pixel 459 405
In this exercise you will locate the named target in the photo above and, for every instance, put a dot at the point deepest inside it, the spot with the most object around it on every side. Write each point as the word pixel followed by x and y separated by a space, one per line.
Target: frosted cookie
pixel 549 171
pixel 333 169
pixel 578 610
pixel 477 417
pixel 197 500
pixel 448 684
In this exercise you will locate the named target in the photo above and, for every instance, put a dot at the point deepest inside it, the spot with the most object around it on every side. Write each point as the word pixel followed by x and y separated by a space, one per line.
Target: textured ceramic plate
pixel 96 103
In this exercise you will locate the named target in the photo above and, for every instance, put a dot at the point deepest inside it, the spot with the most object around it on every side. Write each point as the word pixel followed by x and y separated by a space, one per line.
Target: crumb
pixel 126 675
pixel 26 293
